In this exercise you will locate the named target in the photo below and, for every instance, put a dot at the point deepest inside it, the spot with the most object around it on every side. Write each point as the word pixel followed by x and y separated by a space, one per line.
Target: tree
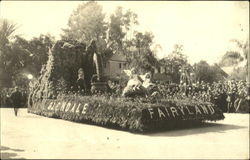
pixel 7 58
pixel 142 56
pixel 119 26
pixel 236 58
pixel 157 49
pixel 86 23
pixel 20 61
pixel 32 54
pixel 231 58
pixel 20 57
pixel 202 71
pixel 205 72
pixel 38 48
pixel 242 72
pixel 243 47
pixel 174 62
pixel 7 30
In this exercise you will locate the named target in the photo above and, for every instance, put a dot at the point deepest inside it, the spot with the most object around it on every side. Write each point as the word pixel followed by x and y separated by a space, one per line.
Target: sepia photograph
pixel 124 79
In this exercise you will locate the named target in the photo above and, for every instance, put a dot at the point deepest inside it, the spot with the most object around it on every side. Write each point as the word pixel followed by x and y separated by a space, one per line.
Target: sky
pixel 204 28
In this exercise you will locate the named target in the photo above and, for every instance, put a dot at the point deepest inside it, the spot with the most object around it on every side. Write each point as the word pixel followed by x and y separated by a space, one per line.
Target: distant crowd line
pixel 230 96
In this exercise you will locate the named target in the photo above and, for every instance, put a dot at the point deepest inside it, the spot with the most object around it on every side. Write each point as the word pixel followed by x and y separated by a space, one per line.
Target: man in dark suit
pixel 16 100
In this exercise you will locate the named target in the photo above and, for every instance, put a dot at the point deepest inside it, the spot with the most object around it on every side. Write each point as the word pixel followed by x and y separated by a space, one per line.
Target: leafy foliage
pixel 60 73
pixel 238 73
pixel 116 34
pixel 174 62
pixel 243 47
pixel 39 47
pixel 235 57
pixel 119 28
pixel 7 30
pixel 231 58
pixel 86 23
pixel 20 57
pixel 205 72
pixel 142 56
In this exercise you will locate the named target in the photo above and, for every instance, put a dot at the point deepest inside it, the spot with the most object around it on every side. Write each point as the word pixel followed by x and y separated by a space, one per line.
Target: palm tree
pixel 7 30
pixel 244 52
pixel 243 46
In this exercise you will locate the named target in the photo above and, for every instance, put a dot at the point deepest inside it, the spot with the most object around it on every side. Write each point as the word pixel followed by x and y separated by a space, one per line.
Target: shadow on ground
pixel 198 129
pixel 10 153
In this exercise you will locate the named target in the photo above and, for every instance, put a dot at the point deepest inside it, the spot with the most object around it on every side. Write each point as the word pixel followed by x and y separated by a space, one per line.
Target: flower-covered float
pixel 140 107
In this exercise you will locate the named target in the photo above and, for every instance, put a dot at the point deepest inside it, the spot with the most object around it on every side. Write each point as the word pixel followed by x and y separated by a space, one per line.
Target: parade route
pixel 30 136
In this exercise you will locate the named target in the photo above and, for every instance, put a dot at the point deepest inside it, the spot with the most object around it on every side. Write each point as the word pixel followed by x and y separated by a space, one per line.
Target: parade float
pixel 55 94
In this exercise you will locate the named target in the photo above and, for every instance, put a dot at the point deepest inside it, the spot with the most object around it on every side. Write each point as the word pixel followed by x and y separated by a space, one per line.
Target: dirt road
pixel 31 136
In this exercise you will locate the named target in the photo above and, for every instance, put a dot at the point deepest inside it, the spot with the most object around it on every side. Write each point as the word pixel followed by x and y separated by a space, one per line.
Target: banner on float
pixel 151 113
pixel 63 106
pixel 181 112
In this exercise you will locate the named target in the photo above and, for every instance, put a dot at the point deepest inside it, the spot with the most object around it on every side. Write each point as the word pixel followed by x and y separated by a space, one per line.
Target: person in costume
pixel 81 84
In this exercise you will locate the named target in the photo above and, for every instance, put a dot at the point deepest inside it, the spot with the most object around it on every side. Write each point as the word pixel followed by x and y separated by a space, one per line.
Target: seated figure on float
pixel 138 85
pixel 151 88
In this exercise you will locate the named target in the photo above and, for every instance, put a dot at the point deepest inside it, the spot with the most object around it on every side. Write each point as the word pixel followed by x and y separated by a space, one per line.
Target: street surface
pixel 30 136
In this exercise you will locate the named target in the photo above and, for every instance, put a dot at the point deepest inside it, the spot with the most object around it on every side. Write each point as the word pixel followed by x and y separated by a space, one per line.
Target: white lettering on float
pixel 189 110
pixel 174 111
pixel 151 111
pixel 197 110
pixel 166 111
pixel 50 105
pixel 78 108
pixel 63 106
pixel 73 108
pixel 68 107
pixel 86 105
pixel 178 111
pixel 161 113
pixel 204 109
pixel 182 110
pixel 211 109
pixel 58 106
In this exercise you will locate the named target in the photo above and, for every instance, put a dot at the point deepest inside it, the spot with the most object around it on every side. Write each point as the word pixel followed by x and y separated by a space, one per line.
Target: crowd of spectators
pixel 6 97
pixel 228 95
